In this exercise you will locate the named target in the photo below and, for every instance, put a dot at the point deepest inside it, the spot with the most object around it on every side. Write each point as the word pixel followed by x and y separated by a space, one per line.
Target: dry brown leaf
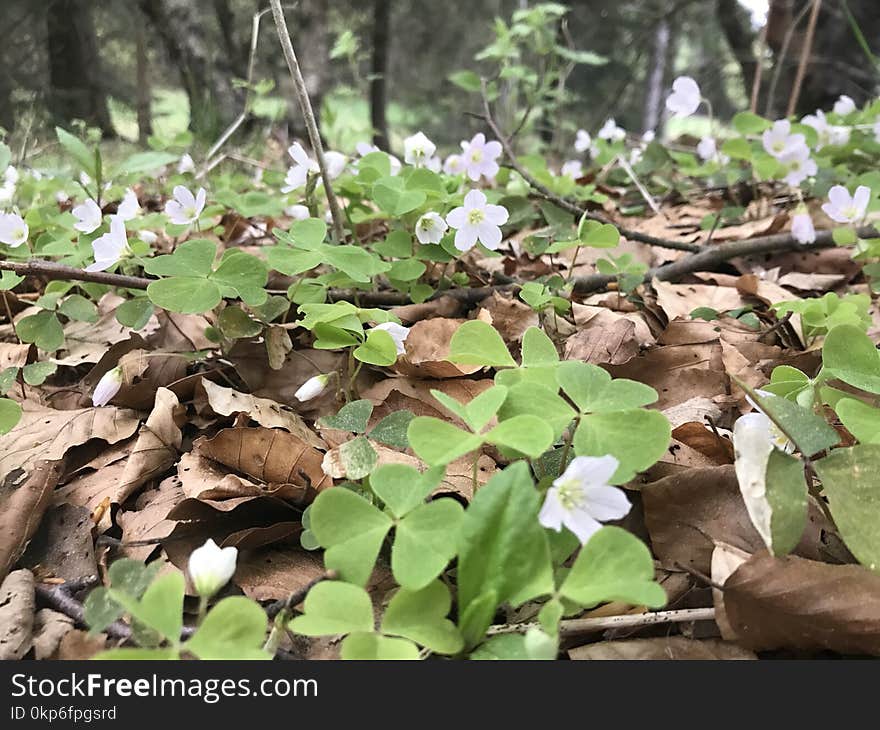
pixel 148 521
pixel 278 344
pixel 268 413
pixel 793 603
pixel 427 347
pixel 679 300
pixel 17 603
pixel 63 546
pixel 203 478
pixel 811 282
pixel 181 333
pixel 270 455
pixel 509 316
pixel 394 394
pixel 689 512
pixel 693 409
pixel 22 506
pixel 79 645
pixel 661 648
pixel 14 355
pixel 608 339
pixel 47 434
pixel 444 306
pixel 156 448
pixel 715 447
pixel 273 573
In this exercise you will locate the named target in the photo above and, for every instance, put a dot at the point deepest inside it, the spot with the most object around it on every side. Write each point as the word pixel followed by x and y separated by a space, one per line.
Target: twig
pixel 779 324
pixel 51 270
pixel 574 627
pixel 543 192
pixel 302 96
pixel 805 58
pixel 759 67
pixel 298 596
pixel 627 168
pixel 60 598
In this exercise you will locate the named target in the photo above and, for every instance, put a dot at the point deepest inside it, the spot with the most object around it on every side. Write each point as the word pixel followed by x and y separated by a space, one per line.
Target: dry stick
pixel 805 58
pixel 577 626
pixel 302 96
pixel 544 192
pixel 60 598
pixel 759 67
pixel 780 61
pixel 51 270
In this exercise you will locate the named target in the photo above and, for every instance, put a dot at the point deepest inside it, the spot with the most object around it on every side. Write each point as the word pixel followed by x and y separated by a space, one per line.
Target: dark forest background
pixel 134 68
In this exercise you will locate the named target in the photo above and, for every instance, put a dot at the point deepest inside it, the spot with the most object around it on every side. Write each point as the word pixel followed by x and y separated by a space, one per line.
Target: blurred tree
pixel 205 74
pixel 75 77
pixel 379 73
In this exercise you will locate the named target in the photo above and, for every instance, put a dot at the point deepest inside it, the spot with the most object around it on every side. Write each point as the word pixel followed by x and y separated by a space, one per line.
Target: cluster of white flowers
pixel 790 149
pixel 298 173
pixel 10 181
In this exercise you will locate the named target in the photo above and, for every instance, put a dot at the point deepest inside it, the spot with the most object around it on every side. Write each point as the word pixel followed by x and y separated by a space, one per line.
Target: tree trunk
pixel 235 49
pixel 737 28
pixel 378 81
pixel 656 78
pixel 143 91
pixel 75 80
pixel 206 78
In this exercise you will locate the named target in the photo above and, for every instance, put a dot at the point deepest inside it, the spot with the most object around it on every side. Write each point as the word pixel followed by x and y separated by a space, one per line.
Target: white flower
pixel 108 386
pixel 88 216
pixel 312 388
pixel 802 228
pixel 779 141
pixel 454 164
pixel 417 149
pixel 827 134
pixel 877 130
pixel 298 174
pixel 755 437
pixel 186 164
pixel 430 228
pixel 581 498
pixel 649 136
pixel 844 105
pixel 10 175
pixel 685 97
pixel 610 132
pixel 635 155
pixel 583 141
pixel 480 157
pixel 13 230
pixel 707 148
pixel 297 212
pixel 573 169
pixel 129 207
pixel 798 166
pixel 210 567
pixel 84 179
pixel 477 220
pixel 434 164
pixel 110 247
pixel 185 208
pixel 845 208
pixel 336 162
pixel 398 333
pixel 148 237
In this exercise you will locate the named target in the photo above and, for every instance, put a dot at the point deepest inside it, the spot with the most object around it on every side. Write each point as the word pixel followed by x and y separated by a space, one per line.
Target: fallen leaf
pixel 63 546
pixel 661 648
pixel 50 627
pixel 16 614
pixel 427 347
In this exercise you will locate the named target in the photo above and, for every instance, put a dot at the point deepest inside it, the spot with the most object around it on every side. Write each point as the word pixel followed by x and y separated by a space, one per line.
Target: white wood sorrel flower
pixel 13 230
pixel 312 388
pixel 129 207
pixel 430 228
pixel 780 142
pixel 185 208
pixel 88 216
pixel 685 97
pixel 802 227
pixel 581 498
pixel 108 386
pixel 477 220
pixel 480 157
pixel 610 132
pixel 299 172
pixel 398 333
pixel 110 247
pixel 583 141
pixel 210 567
pixel 845 208
pixel 418 149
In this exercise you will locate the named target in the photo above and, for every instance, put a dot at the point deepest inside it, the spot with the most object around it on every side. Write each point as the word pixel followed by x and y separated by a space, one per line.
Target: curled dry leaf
pixel 270 455
pixel 427 347
pixel 661 648
pixel 50 627
pixel 16 614
pixel 793 603
pixel 156 448
pixel 22 506
pixel 148 520
pixel 266 412
pixel 511 317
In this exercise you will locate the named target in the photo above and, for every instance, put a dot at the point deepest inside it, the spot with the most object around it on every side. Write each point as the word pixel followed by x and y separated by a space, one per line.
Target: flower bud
pixel 210 567
pixel 108 386
pixel 312 388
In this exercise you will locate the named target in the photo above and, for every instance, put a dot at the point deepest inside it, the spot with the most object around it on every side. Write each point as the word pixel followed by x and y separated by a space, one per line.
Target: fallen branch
pixel 61 598
pixel 51 270
pixel 302 96
pixel 577 626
